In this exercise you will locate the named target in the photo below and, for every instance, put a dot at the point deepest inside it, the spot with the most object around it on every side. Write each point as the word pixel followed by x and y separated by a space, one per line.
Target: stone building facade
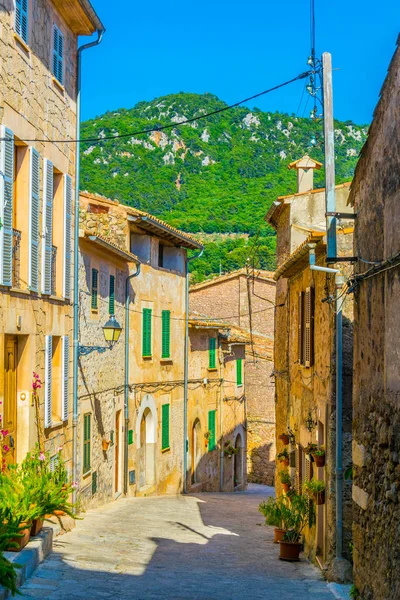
pixel 246 298
pixel 305 353
pixel 152 437
pixel 375 198
pixel 38 50
pixel 216 407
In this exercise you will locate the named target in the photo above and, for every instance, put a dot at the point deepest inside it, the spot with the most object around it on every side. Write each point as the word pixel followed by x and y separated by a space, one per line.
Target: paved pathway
pixel 176 548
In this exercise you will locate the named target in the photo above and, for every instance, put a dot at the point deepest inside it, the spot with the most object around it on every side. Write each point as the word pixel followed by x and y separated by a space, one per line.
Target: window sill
pixel 55 425
pixel 147 358
pixel 166 360
pixel 212 369
pixel 165 449
pixel 58 85
pixel 87 474
pixel 16 290
pixel 22 43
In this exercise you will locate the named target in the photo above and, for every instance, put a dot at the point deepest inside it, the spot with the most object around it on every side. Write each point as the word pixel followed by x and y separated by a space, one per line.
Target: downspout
pixel 100 33
pixel 186 372
pixel 339 280
pixel 221 403
pixel 126 383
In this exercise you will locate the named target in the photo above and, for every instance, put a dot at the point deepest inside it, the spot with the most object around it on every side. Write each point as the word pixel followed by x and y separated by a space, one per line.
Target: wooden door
pixel 117 448
pixel 10 398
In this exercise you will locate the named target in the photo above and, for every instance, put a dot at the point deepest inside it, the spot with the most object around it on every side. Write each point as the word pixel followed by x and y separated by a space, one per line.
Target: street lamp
pixel 112 330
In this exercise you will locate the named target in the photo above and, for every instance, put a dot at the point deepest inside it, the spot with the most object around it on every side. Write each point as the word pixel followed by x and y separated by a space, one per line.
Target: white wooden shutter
pixel 47 226
pixel 67 236
pixel 6 201
pixel 48 409
pixel 65 377
pixel 34 209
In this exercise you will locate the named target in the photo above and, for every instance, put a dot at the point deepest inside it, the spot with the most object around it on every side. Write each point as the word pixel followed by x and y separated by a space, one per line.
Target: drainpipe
pixel 221 457
pixel 186 372
pixel 100 33
pixel 339 281
pixel 126 385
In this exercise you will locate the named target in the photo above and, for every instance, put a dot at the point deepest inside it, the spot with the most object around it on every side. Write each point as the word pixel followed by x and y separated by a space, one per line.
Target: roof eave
pixel 156 227
pixel 104 245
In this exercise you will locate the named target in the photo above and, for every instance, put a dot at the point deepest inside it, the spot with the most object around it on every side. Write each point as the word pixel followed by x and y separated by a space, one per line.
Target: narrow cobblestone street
pixel 179 548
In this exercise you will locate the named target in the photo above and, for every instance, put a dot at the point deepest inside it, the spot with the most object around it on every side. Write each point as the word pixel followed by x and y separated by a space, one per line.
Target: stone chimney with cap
pixel 305 173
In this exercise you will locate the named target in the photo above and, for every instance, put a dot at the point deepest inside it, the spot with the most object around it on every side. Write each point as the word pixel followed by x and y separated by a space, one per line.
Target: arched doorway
pixel 196 449
pixel 146 451
pixel 238 462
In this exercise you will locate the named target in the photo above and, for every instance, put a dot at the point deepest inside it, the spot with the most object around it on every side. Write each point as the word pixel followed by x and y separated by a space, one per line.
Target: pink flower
pixel 42 456
pixel 59 449
pixel 4 432
pixel 75 485
pixel 5 448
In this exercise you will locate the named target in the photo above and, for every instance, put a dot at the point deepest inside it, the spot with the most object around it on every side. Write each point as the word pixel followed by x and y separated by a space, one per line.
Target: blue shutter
pixel 47 227
pixel 21 19
pixel 34 209
pixel 67 236
pixel 111 300
pixel 6 208
pixel 58 55
pixel 48 376
pixel 65 378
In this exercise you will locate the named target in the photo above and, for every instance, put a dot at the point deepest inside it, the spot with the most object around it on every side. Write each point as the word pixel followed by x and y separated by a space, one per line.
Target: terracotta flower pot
pixel 319 460
pixel 285 438
pixel 286 487
pixel 289 551
pixel 37 525
pixel 105 444
pixel 284 461
pixel 21 541
pixel 278 534
pixel 320 498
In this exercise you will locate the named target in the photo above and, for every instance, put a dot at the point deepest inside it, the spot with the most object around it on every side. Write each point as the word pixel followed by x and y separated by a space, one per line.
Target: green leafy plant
pixel 319 451
pixel 230 450
pixel 8 569
pixel 349 472
pixel 284 455
pixel 354 593
pixel 314 486
pixel 285 477
pixel 310 448
pixel 296 518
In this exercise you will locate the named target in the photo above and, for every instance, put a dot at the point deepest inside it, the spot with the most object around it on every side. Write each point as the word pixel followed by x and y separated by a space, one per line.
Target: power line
pixel 171 125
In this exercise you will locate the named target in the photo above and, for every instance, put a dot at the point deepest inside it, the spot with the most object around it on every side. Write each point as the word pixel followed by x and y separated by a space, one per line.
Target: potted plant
pixel 230 450
pixel 295 519
pixel 274 512
pixel 315 488
pixel 8 569
pixel 283 457
pixel 16 509
pixel 105 444
pixel 207 435
pixel 284 437
pixel 319 456
pixel 285 480
pixel 310 449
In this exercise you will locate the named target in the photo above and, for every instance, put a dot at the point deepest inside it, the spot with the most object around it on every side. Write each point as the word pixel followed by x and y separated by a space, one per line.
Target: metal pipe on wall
pixel 100 33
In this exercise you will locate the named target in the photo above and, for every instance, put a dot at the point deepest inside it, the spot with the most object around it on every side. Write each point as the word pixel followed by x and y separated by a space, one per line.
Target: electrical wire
pixel 170 125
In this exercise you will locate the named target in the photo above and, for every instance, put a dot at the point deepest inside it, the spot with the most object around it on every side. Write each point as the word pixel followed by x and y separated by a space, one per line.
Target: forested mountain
pixel 214 177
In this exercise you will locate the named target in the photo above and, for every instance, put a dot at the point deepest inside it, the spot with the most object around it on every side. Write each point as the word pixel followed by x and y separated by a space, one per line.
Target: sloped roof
pixel 105 244
pixel 259 274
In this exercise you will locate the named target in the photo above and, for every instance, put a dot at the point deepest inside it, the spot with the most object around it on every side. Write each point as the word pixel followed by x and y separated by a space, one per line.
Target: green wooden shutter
pixel 86 442
pixel 130 437
pixel 34 209
pixel 111 300
pixel 212 362
pixel 47 220
pixel 165 427
pixel 146 332
pixel 95 278
pixel 6 205
pixel 212 429
pixel 67 236
pixel 239 372
pixel 166 334
pixel 58 55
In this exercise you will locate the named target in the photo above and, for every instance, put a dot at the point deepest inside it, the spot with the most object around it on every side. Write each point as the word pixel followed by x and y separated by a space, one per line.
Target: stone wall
pixel 376 424
pixel 227 297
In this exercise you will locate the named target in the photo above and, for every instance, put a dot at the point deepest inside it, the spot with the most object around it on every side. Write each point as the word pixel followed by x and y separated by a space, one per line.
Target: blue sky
pixel 235 49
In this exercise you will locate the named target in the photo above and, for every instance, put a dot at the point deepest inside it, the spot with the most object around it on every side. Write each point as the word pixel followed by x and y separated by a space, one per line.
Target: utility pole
pixel 330 203
pixel 329 157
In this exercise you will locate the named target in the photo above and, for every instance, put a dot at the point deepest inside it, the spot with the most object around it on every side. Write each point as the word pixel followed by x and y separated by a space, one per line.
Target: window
pixel 21 19
pixel 305 327
pixel 212 443
pixel 58 55
pixel 56 392
pixel 111 302
pixel 160 255
pixel 95 279
pixel 212 360
pixel 146 332
pixel 239 372
pixel 165 427
pixel 86 442
pixel 166 334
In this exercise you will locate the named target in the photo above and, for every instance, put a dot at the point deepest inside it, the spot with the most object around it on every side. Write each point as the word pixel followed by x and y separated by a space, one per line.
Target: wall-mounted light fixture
pixel 111 330
pixel 310 423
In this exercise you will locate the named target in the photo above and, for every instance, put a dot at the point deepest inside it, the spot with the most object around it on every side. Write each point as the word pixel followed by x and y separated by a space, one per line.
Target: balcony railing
pixel 53 270
pixel 16 258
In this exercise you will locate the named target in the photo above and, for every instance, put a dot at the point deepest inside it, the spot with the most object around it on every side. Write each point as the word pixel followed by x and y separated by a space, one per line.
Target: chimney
pixel 305 173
